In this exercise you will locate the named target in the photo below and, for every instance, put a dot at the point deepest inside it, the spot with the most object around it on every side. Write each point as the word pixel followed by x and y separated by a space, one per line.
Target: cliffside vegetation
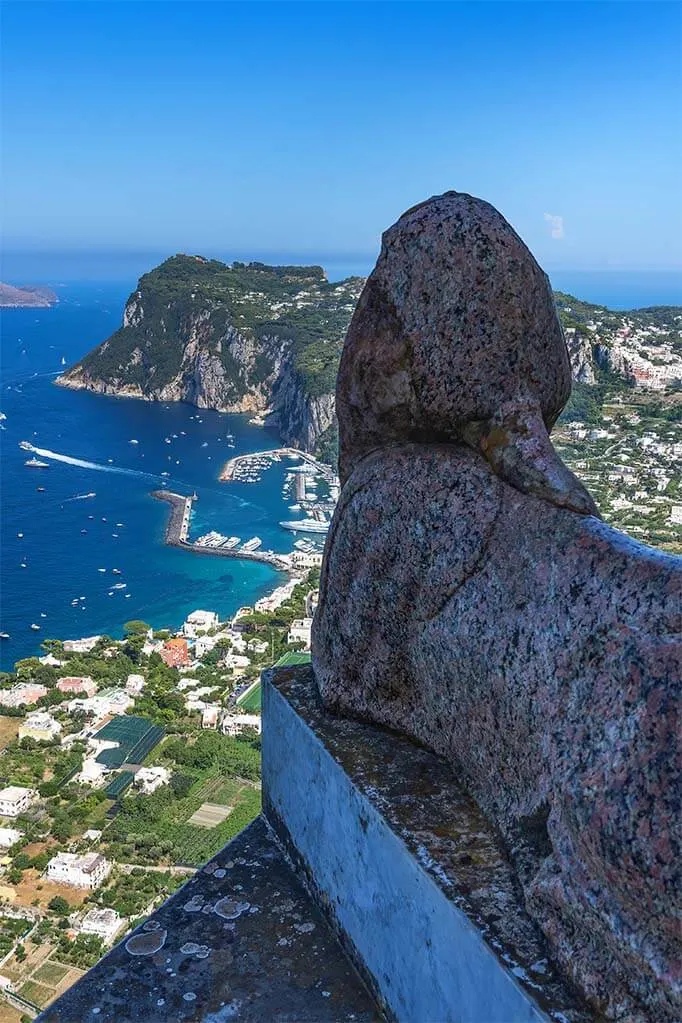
pixel 231 337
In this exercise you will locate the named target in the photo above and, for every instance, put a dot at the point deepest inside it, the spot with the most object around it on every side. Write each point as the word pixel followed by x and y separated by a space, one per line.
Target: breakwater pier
pixel 177 535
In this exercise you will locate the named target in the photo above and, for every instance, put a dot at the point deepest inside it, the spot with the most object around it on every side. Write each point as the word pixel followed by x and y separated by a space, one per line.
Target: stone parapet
pixel 413 878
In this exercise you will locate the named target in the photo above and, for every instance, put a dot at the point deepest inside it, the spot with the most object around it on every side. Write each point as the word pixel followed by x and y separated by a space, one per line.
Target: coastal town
pixel 125 765
pixel 629 453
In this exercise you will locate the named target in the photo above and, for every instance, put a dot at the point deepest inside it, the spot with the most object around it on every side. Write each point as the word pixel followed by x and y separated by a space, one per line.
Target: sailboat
pixel 63 361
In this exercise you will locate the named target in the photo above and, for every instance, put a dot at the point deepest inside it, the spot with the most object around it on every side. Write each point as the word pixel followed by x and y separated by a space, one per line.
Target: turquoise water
pixel 93 434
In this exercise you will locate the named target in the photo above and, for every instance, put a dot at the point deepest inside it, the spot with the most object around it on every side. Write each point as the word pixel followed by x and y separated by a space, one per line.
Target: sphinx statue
pixel 472 598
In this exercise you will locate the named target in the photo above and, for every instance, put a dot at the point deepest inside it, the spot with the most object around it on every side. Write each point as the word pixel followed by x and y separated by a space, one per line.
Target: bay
pixel 67 537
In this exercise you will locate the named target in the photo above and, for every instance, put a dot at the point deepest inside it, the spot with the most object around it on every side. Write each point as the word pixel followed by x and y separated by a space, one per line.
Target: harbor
pixel 239 466
pixel 177 535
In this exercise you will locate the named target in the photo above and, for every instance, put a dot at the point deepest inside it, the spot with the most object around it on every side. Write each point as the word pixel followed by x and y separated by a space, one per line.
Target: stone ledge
pixel 413 878
pixel 241 941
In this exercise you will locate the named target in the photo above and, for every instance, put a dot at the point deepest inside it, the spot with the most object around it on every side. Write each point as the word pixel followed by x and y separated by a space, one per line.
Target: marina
pixel 244 467
pixel 214 543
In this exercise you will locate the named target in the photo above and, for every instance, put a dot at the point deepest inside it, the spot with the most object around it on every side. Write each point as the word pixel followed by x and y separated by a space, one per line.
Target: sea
pixel 95 511
pixel 59 545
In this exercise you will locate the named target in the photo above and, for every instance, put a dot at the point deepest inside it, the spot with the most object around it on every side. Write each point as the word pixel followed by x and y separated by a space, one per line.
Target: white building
pixel 209 717
pixel 148 779
pixel 186 683
pixel 92 835
pixel 109 701
pixel 8 836
pixel 40 726
pixel 204 644
pixel 14 800
pixel 104 923
pixel 92 773
pixel 80 870
pixel 135 684
pixel 302 560
pixel 199 622
pixel 236 661
pixel 299 631
pixel 233 724
pixel 81 646
pixel 51 661
pixel 676 513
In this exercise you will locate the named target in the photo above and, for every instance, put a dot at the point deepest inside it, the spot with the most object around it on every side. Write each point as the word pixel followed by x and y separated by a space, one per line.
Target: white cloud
pixel 556 223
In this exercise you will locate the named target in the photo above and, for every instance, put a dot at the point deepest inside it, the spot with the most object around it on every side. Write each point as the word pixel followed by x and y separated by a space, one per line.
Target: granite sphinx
pixel 472 598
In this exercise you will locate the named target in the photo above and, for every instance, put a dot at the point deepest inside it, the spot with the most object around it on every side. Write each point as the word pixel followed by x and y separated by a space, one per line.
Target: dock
pixel 177 535
pixel 228 470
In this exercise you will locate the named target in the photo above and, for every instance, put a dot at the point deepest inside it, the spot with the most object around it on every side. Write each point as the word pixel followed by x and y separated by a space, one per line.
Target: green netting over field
pixel 136 737
pixel 119 784
pixel 292 658
pixel 251 700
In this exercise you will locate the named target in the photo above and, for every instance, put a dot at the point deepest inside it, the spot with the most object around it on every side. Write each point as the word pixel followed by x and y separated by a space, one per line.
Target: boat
pixel 35 627
pixel 133 441
pixel 119 586
pixel 116 571
pixel 20 535
pixel 252 544
pixel 35 463
pixel 101 569
pixel 306 526
pixel 63 361
pixel 41 490
pixel 4 635
pixel 25 446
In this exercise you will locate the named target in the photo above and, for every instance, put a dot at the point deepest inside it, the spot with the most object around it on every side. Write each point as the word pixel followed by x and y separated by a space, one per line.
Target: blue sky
pixel 308 128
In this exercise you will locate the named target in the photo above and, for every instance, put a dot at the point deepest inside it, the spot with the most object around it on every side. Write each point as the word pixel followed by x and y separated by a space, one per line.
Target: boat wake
pixel 81 463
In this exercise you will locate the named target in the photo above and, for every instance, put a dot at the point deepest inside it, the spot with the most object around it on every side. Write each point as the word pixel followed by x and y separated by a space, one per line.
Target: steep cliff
pixel 240 338
pixel 267 340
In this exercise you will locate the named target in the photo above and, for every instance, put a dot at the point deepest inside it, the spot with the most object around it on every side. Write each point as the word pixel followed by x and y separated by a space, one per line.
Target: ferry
pixel 253 544
pixel 35 463
pixel 306 526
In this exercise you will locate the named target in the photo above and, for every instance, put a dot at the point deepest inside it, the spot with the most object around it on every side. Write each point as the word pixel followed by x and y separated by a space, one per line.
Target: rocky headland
pixel 241 338
pixel 267 340
pixel 30 297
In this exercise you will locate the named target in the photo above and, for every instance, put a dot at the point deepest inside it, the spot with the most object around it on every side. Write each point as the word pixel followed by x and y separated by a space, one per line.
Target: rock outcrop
pixel 470 599
pixel 241 338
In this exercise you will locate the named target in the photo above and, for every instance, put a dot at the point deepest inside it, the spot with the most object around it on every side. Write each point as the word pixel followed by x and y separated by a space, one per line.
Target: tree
pixel 59 905
pixel 20 953
pixel 135 628
pixel 61 828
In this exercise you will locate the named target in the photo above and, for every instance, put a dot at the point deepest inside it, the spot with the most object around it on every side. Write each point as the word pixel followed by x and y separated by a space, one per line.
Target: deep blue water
pixel 62 562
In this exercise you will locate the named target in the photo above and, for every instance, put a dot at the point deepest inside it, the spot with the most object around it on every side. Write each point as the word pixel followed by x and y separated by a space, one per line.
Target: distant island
pixel 28 297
